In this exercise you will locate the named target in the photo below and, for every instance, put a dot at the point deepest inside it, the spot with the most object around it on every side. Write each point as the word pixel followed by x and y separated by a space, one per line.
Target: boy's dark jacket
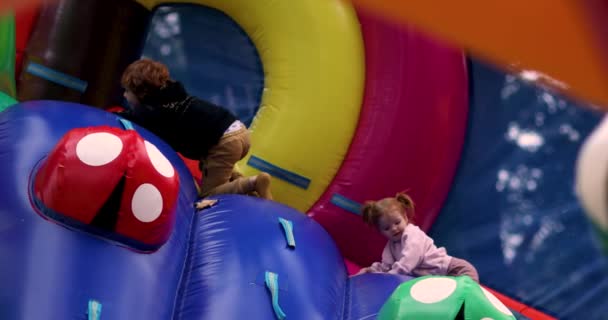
pixel 189 125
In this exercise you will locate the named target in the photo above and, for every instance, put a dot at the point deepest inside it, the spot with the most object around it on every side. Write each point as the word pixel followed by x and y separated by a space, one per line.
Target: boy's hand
pixel 202 204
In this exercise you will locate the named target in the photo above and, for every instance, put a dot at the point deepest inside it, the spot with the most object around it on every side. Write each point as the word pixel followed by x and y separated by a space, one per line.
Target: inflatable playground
pixel 494 131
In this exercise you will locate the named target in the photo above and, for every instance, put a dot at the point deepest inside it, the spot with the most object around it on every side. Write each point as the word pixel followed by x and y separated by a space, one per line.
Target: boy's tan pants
pixel 218 166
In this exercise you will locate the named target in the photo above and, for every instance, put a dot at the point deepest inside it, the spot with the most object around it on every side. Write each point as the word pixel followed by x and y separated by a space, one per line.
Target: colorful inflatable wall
pixel 344 107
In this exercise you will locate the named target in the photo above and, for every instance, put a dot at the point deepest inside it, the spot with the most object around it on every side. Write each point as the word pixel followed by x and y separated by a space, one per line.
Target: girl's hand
pixel 363 270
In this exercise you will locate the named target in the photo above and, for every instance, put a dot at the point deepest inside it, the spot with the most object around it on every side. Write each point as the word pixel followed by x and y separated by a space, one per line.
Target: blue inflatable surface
pixel 512 210
pixel 212 266
pixel 51 272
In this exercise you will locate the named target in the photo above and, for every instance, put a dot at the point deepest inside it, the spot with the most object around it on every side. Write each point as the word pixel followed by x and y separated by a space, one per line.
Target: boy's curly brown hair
pixel 145 76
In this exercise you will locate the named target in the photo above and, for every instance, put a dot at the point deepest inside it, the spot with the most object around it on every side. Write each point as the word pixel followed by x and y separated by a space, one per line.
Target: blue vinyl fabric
pixel 512 210
pixel 210 53
pixel 236 241
pixel 364 305
pixel 51 272
pixel 212 267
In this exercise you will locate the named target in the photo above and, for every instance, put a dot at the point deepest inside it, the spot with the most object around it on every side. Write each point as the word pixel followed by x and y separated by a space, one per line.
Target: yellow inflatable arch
pixel 312 55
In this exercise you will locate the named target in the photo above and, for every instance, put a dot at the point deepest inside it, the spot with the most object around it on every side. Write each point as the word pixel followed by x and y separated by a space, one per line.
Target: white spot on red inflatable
pixel 98 149
pixel 147 203
pixel 159 161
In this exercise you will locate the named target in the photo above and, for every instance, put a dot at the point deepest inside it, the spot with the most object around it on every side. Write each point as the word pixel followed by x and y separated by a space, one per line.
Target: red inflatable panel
pixel 409 136
pixel 25 19
pixel 76 179
pixel 111 175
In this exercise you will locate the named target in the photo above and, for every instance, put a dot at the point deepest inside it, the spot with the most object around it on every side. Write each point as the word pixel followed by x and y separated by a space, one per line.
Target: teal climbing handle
pixel 272 283
pixel 94 310
pixel 288 228
pixel 126 124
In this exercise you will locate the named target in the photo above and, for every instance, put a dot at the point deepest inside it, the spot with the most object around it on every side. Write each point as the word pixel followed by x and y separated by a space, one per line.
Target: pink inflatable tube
pixel 409 136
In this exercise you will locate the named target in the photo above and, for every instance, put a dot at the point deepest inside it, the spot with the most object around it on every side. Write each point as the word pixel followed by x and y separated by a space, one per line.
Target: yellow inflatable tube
pixel 312 54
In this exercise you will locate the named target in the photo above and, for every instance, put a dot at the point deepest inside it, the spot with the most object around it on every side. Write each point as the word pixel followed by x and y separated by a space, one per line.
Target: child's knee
pixel 461 267
pixel 470 271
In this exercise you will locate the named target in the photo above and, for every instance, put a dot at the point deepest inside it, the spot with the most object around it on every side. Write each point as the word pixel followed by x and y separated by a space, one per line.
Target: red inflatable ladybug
pixel 111 182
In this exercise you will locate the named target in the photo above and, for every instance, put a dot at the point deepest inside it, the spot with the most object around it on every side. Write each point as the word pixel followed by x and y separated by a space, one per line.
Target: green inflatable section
pixel 7 54
pixel 6 101
pixel 441 298
pixel 602 236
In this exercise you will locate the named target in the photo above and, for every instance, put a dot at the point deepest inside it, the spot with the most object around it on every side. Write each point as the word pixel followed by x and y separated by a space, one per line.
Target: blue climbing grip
pixel 272 283
pixel 94 311
pixel 288 228
pixel 126 124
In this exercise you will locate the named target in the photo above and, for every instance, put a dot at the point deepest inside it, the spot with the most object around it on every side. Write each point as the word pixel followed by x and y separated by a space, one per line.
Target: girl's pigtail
pixel 407 202
pixel 367 211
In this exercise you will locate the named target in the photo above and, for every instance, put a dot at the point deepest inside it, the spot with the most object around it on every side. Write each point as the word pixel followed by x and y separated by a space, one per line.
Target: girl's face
pixel 392 223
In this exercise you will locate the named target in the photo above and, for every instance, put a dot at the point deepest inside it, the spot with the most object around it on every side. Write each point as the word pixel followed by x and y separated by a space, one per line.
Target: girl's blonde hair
pixel 373 210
